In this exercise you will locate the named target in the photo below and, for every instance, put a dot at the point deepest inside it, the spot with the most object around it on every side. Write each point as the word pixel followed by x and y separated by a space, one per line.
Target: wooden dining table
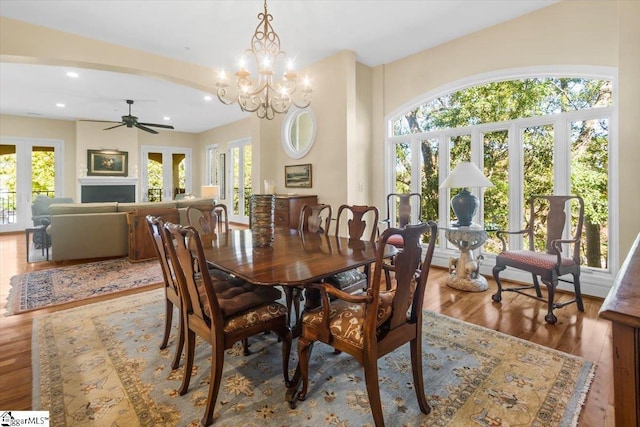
pixel 295 259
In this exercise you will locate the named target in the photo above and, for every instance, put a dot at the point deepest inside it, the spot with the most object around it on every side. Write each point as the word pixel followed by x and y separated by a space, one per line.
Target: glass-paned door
pixel 28 167
pixel 166 173
pixel 239 181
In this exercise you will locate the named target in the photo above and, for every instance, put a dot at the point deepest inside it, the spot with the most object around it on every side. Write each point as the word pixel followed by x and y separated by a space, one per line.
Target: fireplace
pixel 107 189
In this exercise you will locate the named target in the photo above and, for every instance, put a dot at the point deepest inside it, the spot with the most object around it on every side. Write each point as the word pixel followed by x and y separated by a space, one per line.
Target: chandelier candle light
pixel 465 204
pixel 265 96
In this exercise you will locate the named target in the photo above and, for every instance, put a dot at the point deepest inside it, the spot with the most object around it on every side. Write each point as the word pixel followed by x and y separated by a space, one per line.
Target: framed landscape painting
pixel 298 176
pixel 107 163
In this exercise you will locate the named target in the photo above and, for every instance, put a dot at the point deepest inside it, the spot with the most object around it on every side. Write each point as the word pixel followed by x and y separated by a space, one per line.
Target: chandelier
pixel 264 95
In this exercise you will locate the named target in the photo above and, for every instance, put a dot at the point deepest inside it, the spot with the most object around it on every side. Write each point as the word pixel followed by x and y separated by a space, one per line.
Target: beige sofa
pixel 97 230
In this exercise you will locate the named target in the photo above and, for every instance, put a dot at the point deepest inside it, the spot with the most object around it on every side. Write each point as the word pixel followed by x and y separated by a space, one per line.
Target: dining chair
pixel 357 219
pixel 171 292
pixel 400 208
pixel 368 326
pixel 315 218
pixel 208 219
pixel 220 312
pixel 550 254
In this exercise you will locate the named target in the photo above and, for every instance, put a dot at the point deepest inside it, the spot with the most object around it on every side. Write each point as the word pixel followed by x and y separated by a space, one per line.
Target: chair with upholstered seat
pixel 220 311
pixel 400 212
pixel 172 298
pixel 358 220
pixel 368 326
pixel 555 257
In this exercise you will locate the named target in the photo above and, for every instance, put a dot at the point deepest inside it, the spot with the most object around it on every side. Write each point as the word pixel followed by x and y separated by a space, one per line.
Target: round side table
pixel 464 270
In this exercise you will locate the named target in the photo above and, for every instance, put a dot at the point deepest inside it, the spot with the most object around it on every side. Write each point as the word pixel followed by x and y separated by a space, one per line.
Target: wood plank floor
pixel 581 334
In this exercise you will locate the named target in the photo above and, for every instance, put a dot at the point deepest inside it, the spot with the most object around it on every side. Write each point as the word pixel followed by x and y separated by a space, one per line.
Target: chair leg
pixel 551 290
pixel 168 316
pixel 304 354
pixel 373 389
pixel 284 334
pixel 576 285
pixel 217 363
pixel 180 345
pixel 418 378
pixel 536 285
pixel 497 297
pixel 190 343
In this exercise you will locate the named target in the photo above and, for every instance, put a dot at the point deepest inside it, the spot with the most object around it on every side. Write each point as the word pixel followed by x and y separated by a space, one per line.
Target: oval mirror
pixel 298 132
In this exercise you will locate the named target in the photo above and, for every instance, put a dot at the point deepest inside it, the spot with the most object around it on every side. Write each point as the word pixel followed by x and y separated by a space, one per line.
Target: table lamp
pixel 210 191
pixel 465 204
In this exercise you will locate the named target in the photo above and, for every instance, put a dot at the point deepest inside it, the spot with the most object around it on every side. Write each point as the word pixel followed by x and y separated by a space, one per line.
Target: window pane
pixel 496 199
pixel 8 180
pixel 429 179
pixel 459 151
pixel 589 179
pixel 403 168
pixel 538 171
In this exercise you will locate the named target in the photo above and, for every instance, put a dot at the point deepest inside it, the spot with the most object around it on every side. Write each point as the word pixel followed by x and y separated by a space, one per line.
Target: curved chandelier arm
pixel 264 97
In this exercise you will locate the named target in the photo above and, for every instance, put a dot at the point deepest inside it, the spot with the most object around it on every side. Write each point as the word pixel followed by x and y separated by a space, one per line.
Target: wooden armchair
pixel 551 262
pixel 368 326
pixel 400 208
pixel 220 311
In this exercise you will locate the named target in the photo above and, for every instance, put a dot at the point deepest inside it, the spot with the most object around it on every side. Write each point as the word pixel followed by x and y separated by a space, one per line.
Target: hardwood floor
pixel 581 334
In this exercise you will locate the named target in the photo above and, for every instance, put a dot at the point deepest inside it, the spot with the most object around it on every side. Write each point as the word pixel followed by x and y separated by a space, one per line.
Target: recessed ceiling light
pixel 73 74
pixel 167 118
pixel 208 98
pixel 60 105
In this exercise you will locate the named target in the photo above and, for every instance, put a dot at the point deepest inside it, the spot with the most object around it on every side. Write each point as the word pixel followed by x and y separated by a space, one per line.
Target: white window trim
pixel 594 282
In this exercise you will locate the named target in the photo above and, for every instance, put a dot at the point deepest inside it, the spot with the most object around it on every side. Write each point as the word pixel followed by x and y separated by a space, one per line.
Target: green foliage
pixel 501 102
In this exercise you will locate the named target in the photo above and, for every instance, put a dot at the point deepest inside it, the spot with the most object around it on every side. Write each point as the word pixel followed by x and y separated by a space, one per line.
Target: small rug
pixel 46 288
pixel 100 365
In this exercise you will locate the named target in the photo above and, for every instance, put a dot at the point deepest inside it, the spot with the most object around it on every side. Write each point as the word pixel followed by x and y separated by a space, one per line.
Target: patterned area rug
pixel 100 365
pixel 46 288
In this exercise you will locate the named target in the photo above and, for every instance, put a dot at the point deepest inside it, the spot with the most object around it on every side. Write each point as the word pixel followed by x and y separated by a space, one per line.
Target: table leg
pixel 27 232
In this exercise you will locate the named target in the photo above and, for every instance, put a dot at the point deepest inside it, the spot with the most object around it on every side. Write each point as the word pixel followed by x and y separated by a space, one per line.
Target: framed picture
pixel 297 176
pixel 107 163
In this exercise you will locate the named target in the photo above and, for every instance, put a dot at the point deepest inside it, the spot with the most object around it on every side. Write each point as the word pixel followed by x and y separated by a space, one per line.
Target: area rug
pixel 100 365
pixel 46 288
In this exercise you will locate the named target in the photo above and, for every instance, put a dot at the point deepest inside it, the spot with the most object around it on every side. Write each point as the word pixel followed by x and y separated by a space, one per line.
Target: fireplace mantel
pixel 107 180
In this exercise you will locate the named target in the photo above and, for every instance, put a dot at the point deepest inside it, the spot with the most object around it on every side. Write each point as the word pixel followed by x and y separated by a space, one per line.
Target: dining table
pixel 294 260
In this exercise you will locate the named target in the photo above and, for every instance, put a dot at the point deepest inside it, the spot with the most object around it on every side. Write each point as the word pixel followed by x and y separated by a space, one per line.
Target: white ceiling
pixel 214 34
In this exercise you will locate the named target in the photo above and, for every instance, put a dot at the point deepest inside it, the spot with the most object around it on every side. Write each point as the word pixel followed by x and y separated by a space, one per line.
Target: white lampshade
pixel 210 191
pixel 466 175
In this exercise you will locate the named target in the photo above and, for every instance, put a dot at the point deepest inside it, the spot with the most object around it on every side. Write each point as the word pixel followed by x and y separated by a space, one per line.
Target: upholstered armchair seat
pixel 346 319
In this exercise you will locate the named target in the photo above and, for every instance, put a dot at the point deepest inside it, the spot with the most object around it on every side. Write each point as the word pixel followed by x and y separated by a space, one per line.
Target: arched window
pixel 537 134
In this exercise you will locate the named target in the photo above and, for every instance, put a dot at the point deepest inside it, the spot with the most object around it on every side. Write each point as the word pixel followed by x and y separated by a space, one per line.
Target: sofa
pixel 100 230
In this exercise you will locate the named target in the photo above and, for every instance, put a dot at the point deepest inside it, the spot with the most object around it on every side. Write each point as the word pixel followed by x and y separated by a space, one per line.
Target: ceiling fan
pixel 132 121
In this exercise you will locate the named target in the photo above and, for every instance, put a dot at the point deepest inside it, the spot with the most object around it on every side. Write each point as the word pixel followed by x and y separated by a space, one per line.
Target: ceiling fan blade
pixel 140 126
pixel 113 127
pixel 156 125
pixel 97 121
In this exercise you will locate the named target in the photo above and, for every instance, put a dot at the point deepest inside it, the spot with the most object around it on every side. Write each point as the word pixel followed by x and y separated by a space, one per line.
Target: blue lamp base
pixel 464 205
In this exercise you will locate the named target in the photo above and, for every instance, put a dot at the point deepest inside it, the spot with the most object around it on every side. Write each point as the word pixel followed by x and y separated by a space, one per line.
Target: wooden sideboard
pixel 141 244
pixel 622 307
pixel 288 206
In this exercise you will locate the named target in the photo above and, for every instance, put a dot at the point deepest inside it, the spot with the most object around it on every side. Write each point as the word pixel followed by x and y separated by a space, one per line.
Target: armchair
pixel 552 262
pixel 368 326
